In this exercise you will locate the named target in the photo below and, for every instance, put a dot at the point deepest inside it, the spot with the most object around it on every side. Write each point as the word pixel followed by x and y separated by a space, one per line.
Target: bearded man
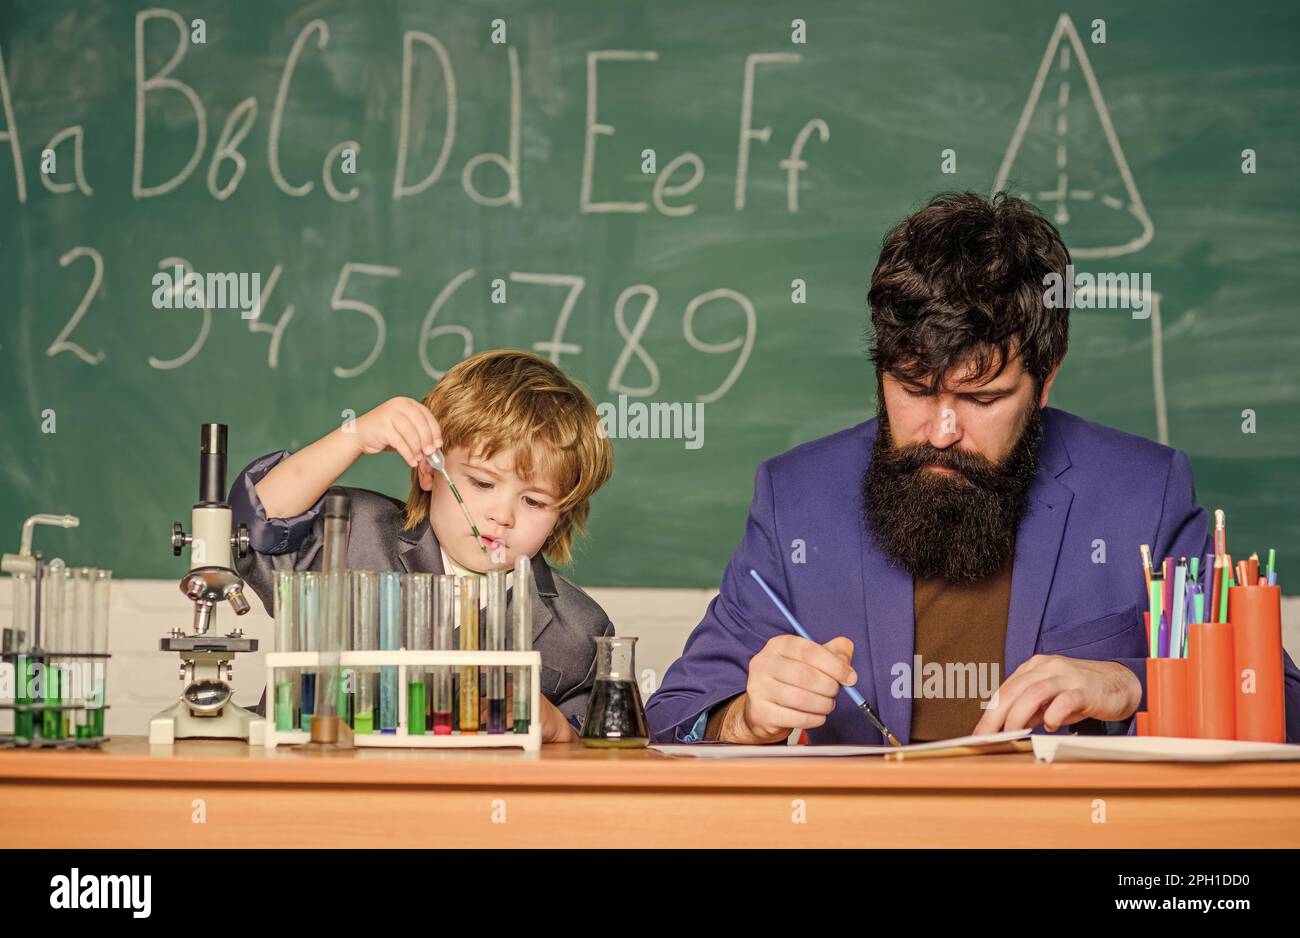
pixel 969 539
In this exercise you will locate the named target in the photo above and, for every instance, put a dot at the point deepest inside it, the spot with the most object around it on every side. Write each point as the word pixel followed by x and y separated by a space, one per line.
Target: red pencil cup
pixel 1214 688
pixel 1142 728
pixel 1256 616
pixel 1169 696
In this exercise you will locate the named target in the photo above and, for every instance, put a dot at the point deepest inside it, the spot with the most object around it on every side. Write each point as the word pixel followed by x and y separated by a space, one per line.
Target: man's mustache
pixel 917 456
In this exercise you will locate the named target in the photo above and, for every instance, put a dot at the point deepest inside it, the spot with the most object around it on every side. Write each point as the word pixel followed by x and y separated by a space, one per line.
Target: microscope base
pixel 176 722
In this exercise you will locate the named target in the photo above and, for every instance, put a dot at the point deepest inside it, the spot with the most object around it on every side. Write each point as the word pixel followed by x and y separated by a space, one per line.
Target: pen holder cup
pixel 1142 728
pixel 1214 689
pixel 1256 616
pixel 1169 705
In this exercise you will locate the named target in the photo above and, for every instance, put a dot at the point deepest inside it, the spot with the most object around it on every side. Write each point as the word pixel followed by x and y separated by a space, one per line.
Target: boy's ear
pixel 426 475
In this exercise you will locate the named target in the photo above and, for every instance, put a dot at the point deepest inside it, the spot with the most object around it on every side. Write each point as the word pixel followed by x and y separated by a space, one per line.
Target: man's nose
pixel 943 428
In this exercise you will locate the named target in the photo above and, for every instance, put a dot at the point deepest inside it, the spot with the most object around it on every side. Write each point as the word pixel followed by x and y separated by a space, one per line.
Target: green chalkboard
pixel 674 286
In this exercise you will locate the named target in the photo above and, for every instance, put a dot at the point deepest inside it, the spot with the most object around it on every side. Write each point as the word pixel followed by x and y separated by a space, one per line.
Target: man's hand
pixel 1053 691
pixel 555 726
pixel 792 684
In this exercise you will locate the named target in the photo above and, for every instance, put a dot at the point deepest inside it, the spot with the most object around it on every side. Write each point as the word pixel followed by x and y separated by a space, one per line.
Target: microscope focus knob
pixel 179 539
pixel 239 541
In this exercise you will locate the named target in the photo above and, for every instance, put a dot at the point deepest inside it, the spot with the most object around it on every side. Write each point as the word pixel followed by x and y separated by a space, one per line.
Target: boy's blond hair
pixel 509 400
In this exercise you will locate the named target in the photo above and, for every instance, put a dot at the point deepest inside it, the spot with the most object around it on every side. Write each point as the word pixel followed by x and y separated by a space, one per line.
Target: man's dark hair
pixel 963 277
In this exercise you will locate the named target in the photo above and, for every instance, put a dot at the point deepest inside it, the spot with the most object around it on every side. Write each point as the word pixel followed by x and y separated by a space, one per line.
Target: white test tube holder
pixel 264 733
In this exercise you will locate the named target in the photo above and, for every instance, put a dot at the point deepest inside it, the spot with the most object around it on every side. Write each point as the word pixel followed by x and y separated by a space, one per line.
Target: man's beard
pixel 943 526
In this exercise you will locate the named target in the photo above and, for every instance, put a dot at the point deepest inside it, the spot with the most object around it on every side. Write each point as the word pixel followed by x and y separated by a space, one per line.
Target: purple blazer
pixel 1093 483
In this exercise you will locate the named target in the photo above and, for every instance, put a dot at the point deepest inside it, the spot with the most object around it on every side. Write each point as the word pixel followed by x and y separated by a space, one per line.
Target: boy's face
pixel 514 515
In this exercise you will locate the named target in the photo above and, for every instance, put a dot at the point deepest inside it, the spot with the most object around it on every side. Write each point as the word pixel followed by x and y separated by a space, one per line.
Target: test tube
pixel 308 613
pixel 334 610
pixel 53 639
pixel 346 675
pixel 365 637
pixel 20 644
pixel 99 645
pixel 496 641
pixel 444 621
pixel 389 640
pixel 523 641
pixel 468 622
pixel 416 613
pixel 287 680
pixel 76 671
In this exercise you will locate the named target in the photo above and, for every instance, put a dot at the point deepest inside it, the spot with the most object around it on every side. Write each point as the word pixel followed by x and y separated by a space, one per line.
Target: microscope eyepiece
pixel 212 464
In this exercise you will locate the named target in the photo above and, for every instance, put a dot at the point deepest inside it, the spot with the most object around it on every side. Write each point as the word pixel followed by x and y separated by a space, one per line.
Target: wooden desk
pixel 132 795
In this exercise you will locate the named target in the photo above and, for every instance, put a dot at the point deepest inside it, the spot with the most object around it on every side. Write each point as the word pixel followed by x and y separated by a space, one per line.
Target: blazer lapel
pixel 887 594
pixel 544 583
pixel 1038 544
pixel 418 551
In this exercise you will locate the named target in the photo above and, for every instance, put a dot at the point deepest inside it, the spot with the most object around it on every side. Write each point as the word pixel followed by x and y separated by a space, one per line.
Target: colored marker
pixel 1176 620
pixel 851 691
pixel 1216 587
pixel 1207 588
pixel 1157 595
pixel 1272 567
pixel 1223 592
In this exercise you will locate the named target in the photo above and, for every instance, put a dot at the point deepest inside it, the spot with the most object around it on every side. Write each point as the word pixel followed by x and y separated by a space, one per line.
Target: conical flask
pixel 615 715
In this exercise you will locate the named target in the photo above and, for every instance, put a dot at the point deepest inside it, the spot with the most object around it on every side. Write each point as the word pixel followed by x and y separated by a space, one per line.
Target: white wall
pixel 142 680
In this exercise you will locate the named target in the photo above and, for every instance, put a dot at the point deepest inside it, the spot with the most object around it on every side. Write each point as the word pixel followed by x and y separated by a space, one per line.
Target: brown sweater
pixel 957 624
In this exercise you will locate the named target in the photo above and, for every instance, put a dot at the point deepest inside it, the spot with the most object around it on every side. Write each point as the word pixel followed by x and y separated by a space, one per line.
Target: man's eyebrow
pixel 986 392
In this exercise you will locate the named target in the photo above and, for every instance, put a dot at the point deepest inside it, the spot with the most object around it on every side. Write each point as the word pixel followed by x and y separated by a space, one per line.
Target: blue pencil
pixel 851 691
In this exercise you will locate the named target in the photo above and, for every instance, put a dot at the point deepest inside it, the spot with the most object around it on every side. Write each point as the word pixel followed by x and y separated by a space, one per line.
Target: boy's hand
pixel 402 425
pixel 555 726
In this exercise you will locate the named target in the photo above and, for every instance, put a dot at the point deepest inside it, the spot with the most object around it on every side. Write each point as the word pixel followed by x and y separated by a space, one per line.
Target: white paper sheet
pixel 730 751
pixel 1158 749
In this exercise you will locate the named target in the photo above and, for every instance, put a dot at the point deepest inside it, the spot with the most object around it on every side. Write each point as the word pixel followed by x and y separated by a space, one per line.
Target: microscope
pixel 206 706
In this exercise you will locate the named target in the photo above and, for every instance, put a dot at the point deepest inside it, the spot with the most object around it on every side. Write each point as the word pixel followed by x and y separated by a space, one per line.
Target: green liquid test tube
pixel 467 604
pixel 53 638
pixel 81 582
pixel 365 637
pixel 522 623
pixel 416 715
pixel 24 607
pixel 98 699
pixel 416 614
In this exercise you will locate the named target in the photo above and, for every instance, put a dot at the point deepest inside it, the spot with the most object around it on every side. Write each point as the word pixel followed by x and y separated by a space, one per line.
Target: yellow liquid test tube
pixel 468 620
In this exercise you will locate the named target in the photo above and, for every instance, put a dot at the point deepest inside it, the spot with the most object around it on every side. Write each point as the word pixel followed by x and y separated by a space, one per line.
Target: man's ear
pixel 426 475
pixel 1047 386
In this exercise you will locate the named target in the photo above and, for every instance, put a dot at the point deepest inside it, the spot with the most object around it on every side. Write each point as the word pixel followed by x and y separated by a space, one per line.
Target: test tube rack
pixel 68 705
pixel 264 733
